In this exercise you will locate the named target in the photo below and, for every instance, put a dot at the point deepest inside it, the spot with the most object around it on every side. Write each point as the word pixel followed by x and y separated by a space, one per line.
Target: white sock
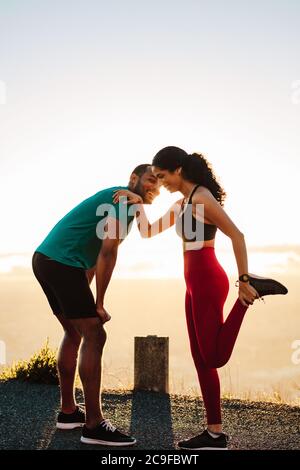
pixel 214 434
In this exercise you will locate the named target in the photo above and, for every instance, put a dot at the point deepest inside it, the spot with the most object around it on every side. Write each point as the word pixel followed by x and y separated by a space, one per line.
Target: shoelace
pixel 108 426
pixel 81 407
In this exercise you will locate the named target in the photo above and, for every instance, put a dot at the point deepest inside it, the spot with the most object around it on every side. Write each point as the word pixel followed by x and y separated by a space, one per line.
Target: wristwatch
pixel 244 278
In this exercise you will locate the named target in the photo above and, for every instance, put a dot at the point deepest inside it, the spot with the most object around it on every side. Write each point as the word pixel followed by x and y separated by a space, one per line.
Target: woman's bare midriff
pixel 191 246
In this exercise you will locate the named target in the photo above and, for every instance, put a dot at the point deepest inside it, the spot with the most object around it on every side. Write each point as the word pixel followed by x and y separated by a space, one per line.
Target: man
pixel 82 243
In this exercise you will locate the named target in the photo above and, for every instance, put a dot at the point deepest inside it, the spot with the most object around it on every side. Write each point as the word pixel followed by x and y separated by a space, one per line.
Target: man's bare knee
pixel 97 336
pixel 71 333
pixel 91 330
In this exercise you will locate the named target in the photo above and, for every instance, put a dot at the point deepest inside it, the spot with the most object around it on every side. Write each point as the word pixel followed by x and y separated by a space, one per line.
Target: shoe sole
pixel 87 440
pixel 281 289
pixel 69 425
pixel 204 448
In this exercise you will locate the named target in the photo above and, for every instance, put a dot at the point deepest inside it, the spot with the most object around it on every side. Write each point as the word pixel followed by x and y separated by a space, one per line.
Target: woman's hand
pixel 247 294
pixel 131 198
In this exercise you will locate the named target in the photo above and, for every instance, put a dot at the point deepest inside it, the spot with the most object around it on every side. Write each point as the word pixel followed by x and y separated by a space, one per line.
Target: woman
pixel 211 338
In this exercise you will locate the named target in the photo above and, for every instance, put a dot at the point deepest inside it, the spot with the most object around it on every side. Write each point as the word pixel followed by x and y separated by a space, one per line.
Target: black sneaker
pixel 106 434
pixel 265 286
pixel 71 421
pixel 205 441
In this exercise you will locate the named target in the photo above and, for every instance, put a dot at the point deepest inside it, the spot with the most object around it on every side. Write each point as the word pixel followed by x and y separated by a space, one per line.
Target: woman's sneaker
pixel 71 421
pixel 265 286
pixel 106 434
pixel 205 441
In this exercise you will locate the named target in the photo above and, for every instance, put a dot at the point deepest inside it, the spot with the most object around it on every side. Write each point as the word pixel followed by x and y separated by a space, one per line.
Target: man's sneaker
pixel 265 286
pixel 71 421
pixel 106 434
pixel 205 441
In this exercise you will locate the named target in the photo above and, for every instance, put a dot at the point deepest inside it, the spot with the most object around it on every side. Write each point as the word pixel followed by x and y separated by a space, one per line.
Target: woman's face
pixel 170 180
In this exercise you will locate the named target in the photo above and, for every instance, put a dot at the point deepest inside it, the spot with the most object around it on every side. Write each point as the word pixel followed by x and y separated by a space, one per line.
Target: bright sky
pixel 89 89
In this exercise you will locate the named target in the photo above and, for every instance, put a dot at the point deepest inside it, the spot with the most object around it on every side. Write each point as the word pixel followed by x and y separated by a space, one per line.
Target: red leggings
pixel 211 339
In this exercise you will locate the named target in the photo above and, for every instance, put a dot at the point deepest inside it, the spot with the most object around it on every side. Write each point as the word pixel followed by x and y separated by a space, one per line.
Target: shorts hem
pixel 77 317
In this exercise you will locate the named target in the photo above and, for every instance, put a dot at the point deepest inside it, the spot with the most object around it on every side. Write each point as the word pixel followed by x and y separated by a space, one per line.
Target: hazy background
pixel 263 364
pixel 88 90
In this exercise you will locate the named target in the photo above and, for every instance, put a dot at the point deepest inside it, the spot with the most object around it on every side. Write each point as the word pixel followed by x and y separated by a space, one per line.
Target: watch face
pixel 245 277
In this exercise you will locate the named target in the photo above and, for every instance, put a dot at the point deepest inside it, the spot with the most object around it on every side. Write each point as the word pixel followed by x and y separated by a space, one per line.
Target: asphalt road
pixel 28 414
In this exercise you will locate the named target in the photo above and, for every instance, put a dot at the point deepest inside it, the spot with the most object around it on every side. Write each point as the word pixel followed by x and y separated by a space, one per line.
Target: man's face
pixel 147 186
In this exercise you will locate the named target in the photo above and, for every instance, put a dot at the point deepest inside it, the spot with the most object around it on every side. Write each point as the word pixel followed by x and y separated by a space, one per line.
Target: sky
pixel 89 89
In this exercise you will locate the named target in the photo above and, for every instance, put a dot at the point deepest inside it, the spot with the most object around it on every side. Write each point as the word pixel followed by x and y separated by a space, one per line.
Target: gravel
pixel 158 421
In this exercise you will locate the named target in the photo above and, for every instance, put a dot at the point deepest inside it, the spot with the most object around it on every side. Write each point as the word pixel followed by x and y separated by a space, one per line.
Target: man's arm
pixel 90 274
pixel 105 264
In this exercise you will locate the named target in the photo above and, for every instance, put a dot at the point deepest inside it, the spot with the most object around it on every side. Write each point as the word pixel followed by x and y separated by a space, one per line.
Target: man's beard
pixel 141 192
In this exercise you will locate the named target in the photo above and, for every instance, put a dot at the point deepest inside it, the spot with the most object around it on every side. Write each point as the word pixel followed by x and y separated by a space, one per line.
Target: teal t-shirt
pixel 76 239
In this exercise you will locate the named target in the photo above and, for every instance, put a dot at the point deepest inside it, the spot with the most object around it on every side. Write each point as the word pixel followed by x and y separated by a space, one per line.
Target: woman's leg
pixel 216 338
pixel 208 286
pixel 208 377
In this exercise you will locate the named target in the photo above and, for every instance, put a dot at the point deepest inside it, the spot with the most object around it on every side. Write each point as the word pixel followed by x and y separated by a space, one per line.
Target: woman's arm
pixel 216 215
pixel 146 229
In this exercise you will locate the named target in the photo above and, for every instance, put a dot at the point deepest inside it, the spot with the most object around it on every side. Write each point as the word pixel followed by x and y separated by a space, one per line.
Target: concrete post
pixel 151 364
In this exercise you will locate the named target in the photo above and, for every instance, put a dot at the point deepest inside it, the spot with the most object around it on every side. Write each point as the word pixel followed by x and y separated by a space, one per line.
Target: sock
pixel 214 434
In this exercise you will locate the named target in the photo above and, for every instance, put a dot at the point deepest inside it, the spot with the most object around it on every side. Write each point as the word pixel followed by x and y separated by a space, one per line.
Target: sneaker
pixel 71 421
pixel 205 441
pixel 106 434
pixel 265 286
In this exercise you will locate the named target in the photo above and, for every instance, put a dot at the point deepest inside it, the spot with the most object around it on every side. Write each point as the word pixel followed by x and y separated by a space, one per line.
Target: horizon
pixel 155 263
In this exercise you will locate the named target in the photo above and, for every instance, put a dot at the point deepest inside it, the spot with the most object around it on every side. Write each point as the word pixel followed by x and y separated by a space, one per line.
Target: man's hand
pixel 103 314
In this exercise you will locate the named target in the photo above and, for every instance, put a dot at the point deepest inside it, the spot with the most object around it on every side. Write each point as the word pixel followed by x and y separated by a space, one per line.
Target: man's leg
pixel 93 340
pixel 66 364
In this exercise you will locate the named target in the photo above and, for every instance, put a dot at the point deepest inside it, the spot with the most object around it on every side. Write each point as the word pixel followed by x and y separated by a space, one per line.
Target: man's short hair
pixel 141 169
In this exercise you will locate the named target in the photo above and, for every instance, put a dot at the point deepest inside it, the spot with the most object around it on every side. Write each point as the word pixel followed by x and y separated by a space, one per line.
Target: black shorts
pixel 66 287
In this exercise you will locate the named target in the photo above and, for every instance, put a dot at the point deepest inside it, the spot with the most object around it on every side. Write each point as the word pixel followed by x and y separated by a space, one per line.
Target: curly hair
pixel 195 168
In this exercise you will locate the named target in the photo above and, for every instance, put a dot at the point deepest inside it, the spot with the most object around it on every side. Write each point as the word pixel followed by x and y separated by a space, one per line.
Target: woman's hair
pixel 195 168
